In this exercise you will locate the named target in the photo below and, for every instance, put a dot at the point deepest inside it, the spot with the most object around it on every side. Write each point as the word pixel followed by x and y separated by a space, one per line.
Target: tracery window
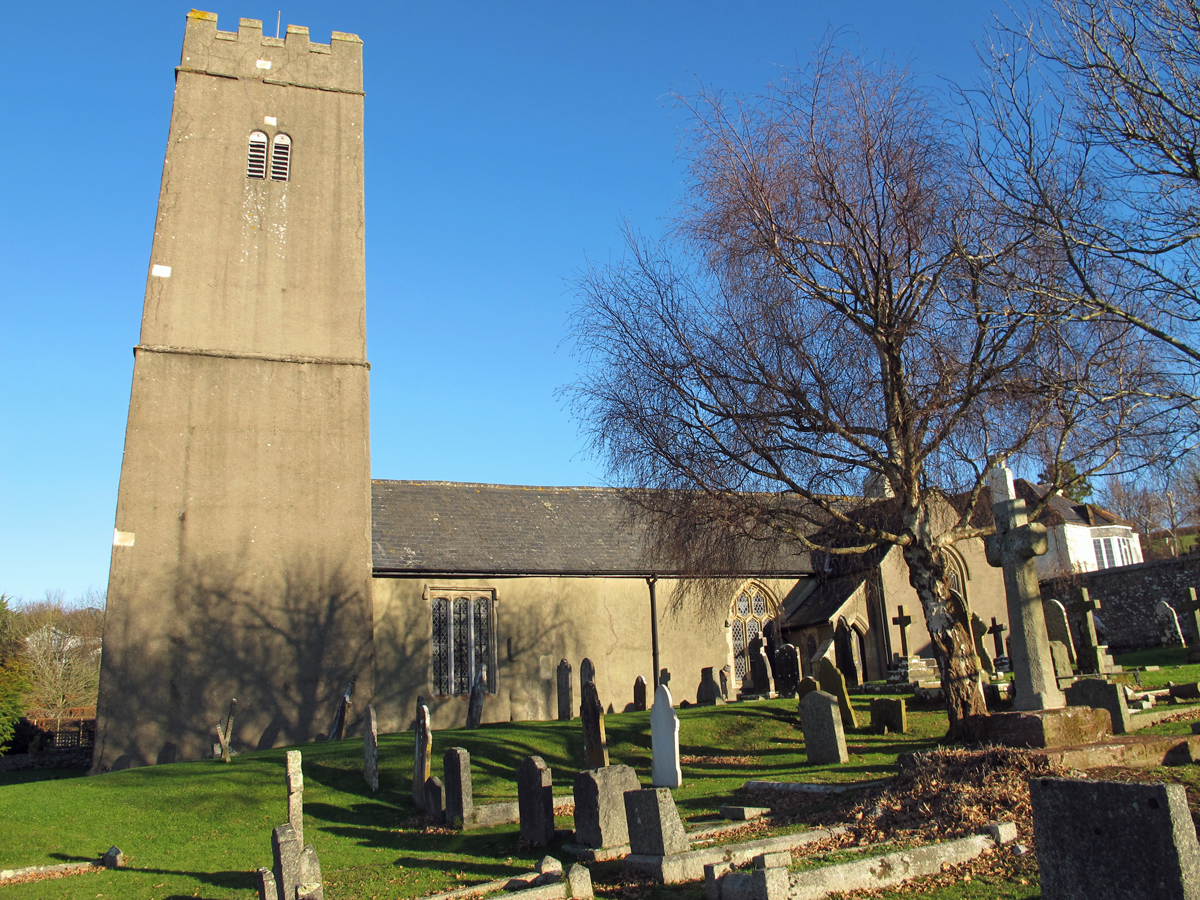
pixel 752 610
pixel 256 160
pixel 463 640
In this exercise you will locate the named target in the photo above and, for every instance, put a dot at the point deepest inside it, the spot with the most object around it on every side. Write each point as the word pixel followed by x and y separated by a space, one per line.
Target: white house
pixel 1081 537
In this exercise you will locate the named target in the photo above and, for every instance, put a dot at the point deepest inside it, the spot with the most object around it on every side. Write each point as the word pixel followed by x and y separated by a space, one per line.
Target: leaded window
pixel 463 640
pixel 752 609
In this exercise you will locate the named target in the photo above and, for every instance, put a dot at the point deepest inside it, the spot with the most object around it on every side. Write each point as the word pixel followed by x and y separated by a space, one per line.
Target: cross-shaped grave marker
pixel 903 620
pixel 997 632
pixel 1192 607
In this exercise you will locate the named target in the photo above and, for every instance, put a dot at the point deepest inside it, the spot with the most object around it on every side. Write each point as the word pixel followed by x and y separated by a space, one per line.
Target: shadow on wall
pixel 286 647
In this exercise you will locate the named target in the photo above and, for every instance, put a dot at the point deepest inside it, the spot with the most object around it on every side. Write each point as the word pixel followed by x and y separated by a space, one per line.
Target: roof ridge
pixel 484 484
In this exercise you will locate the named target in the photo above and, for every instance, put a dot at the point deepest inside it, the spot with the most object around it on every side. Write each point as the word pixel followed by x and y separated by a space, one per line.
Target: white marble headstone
pixel 664 740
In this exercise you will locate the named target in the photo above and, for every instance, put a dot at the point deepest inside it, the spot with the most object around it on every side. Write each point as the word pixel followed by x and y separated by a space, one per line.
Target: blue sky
pixel 506 144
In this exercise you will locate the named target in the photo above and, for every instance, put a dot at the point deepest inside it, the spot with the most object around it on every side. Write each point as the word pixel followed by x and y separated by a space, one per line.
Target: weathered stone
pixel 1099 694
pixel 760 680
pixel 1112 840
pixel 1062 660
pixel 639 694
pixel 821 722
pixel 566 697
pixel 769 878
pixel 113 858
pixel 311 885
pixel 595 744
pixel 807 685
pixel 664 741
pixel 535 798
pixel 475 702
pixel 743 813
pixel 709 692
pixel 550 870
pixel 1169 632
pixel 294 779
pixel 580 881
pixel 1002 832
pixel 587 672
pixel 1039 728
pixel 267 889
pixel 726 681
pixel 1185 691
pixel 435 799
pixel 422 750
pixel 653 821
pixel 285 850
pixel 978 630
pixel 787 670
pixel 1058 626
pixel 600 806
pixel 371 749
pixel 456 774
pixel 890 713
pixel 833 682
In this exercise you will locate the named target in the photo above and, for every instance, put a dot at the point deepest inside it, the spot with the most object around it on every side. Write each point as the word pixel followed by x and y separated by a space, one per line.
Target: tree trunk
pixel 948 620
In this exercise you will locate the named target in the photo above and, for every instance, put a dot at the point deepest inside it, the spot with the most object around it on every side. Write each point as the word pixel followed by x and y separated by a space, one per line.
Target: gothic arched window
pixel 256 161
pixel 752 610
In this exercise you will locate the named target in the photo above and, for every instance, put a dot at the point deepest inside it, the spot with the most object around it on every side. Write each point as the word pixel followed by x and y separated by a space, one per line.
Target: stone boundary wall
pixel 1127 595
pixel 75 758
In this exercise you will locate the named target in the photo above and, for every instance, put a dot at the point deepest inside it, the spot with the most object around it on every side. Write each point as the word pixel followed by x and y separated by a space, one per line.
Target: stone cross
pixel 1089 618
pixel 566 702
pixel 595 745
pixel 639 694
pixel 295 789
pixel 475 704
pixel 1013 548
pixel 997 632
pixel 422 749
pixel 664 741
pixel 371 750
pixel 903 620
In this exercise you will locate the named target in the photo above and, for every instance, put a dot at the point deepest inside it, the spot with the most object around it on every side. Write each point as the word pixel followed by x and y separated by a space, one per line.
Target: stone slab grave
pixel 422 750
pixel 709 692
pixel 834 683
pixel 1128 751
pixel 601 827
pixel 566 698
pixel 595 742
pixel 889 715
pixel 113 858
pixel 1100 694
pixel 821 722
pixel 1112 840
pixel 535 797
pixel 1169 632
pixel 664 741
pixel 1067 727
pixel 371 750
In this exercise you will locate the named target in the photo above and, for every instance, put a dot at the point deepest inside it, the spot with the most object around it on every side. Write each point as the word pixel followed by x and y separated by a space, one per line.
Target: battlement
pixel 248 53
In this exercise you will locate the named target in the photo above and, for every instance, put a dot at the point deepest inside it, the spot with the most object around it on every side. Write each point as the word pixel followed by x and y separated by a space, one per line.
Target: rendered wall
pixel 241 558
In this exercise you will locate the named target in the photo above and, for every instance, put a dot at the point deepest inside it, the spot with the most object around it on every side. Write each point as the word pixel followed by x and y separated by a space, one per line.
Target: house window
pixel 1105 559
pixel 752 610
pixel 256 162
pixel 464 640
pixel 281 157
pixel 1126 551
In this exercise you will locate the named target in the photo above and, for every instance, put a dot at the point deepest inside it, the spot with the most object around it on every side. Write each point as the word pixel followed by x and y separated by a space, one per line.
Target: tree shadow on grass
pixel 29 776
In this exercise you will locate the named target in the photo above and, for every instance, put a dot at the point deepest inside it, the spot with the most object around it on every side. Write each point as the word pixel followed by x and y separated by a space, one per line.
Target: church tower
pixel 241 563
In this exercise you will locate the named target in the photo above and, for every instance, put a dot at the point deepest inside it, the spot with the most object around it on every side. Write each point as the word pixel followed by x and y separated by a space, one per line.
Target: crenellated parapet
pixel 247 53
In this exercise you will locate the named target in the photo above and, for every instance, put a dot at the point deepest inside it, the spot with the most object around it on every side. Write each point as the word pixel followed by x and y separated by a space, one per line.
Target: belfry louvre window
pixel 281 157
pixel 464 640
pixel 256 161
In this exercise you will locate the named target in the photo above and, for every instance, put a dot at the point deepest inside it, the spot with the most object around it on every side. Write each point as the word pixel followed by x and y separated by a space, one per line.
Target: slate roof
pixel 494 529
pixel 826 599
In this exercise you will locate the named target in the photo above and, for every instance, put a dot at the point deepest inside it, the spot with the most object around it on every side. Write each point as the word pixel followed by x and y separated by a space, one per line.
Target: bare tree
pixel 60 651
pixel 838 304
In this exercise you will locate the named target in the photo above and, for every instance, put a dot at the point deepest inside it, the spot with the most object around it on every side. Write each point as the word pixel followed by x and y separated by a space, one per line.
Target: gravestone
pixel 1104 840
pixel 664 740
pixel 295 791
pixel 1058 626
pixel 285 852
pixel 832 682
pixel 371 750
pixel 787 670
pixel 1191 611
pixel 595 744
pixel 709 692
pixel 1100 694
pixel 1093 658
pixel 1169 632
pixel 890 713
pixel 808 684
pixel 225 738
pixel 902 620
pixel 600 806
pixel 653 822
pixel 478 693
pixel 997 632
pixel 821 722
pixel 587 672
pixel 422 749
pixel 978 630
pixel 1062 660
pixel 726 679
pixel 310 887
pixel 460 798
pixel 580 881
pixel 566 699
pixel 535 801
pixel 337 730
pixel 760 669
pixel 435 799
pixel 639 694
pixel 1013 549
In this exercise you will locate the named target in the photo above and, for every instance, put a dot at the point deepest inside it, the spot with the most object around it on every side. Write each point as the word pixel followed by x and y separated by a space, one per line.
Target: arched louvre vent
pixel 281 157
pixel 256 162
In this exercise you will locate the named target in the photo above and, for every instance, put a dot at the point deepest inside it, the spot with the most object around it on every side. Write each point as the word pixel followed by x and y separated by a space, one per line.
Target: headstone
pixel 595 744
pixel 113 858
pixel 456 774
pixel 285 851
pixel 760 681
pixel 787 670
pixel 267 889
pixel 1093 656
pixel 833 683
pixel 664 740
pixel 808 684
pixel 478 694
pixel 580 881
pixel 435 799
pixel 1103 840
pixel 1013 549
pixel 1191 611
pixel 371 750
pixel 295 791
pixel 535 801
pixel 997 630
pixel 1100 694
pixel 1058 626
pixel 639 694
pixel 653 821
pixel 889 713
pixel 337 730
pixel 1169 631
pixel 224 739
pixel 1062 660
pixel 422 750
pixel 903 620
pixel 566 699
pixel 587 672
pixel 600 806
pixel 709 692
pixel 726 680
pixel 821 722
pixel 978 630
pixel 310 887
